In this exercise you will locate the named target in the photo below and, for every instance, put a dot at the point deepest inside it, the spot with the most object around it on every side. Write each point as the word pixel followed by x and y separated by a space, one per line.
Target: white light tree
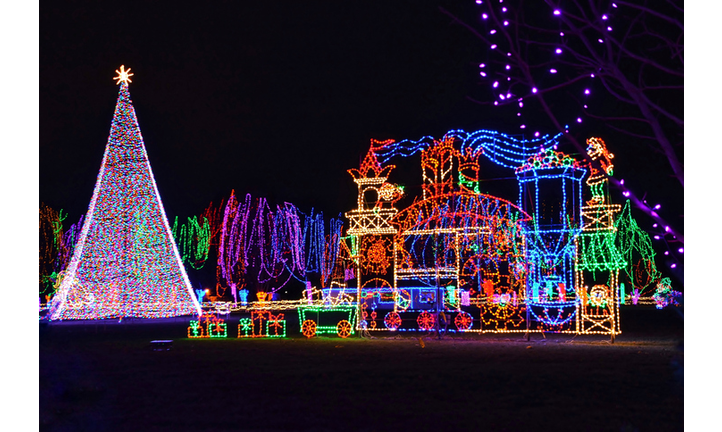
pixel 125 262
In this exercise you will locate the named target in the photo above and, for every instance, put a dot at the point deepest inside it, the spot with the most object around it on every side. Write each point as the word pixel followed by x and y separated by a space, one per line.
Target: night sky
pixel 279 99
pixel 273 99
pixel 276 100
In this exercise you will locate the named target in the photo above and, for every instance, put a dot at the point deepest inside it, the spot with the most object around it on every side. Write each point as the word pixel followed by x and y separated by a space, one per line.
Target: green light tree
pixel 636 247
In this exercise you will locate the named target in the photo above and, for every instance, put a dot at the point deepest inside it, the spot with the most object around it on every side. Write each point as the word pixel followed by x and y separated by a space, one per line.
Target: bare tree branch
pixel 638 65
pixel 635 135
pixel 655 13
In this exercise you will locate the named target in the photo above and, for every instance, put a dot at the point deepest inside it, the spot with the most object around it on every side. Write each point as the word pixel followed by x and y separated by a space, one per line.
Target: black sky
pixel 276 99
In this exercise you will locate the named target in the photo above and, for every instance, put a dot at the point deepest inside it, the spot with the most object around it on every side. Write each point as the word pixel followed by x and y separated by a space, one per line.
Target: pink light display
pixel 262 246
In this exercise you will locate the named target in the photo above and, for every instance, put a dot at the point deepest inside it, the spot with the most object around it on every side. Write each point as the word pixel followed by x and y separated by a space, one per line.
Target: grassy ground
pixel 106 378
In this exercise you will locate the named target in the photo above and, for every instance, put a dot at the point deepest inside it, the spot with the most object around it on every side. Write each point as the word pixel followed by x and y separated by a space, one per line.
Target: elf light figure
pixel 597 150
pixel 125 263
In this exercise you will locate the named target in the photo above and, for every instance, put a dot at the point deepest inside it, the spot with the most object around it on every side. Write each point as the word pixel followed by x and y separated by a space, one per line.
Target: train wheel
pixel 463 321
pixel 426 321
pixel 308 328
pixel 343 328
pixel 392 321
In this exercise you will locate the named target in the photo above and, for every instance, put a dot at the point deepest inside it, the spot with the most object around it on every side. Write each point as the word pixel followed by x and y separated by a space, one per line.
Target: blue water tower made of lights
pixel 550 191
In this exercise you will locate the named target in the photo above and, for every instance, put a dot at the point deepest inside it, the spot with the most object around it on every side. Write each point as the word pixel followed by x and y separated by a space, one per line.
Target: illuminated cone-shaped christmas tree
pixel 125 263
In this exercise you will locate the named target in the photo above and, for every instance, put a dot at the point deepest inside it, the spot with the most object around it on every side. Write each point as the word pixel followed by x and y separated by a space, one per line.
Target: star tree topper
pixel 123 75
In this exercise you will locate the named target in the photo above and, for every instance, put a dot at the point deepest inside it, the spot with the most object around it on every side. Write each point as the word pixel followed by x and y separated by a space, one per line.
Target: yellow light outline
pixel 123 75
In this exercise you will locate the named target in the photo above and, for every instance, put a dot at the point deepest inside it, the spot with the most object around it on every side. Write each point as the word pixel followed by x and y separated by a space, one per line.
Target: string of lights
pixel 500 148
pixel 576 52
